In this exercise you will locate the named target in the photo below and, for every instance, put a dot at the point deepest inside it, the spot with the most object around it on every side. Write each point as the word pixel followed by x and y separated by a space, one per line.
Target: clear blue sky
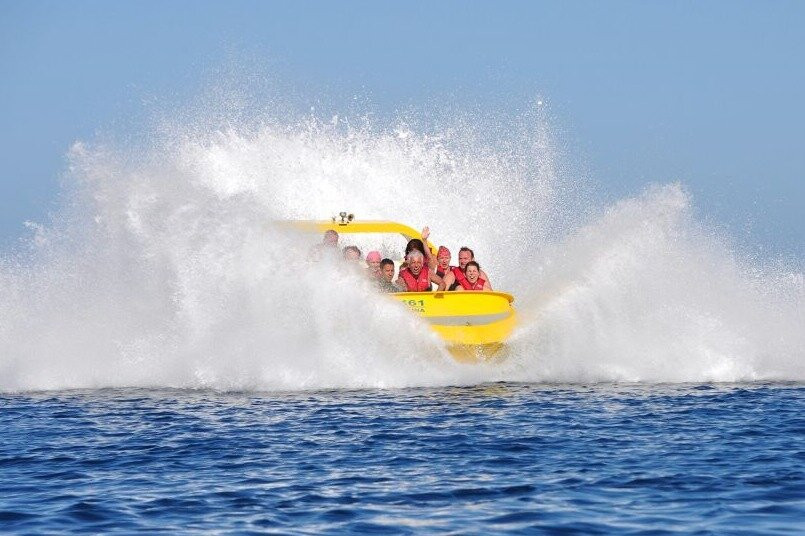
pixel 711 93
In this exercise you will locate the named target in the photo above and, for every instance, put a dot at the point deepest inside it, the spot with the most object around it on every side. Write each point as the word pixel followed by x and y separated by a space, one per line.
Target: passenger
pixel 473 280
pixel 465 255
pixel 330 239
pixel 329 245
pixel 352 253
pixel 419 245
pixel 417 277
pixel 442 261
pixel 386 280
pixel 373 259
pixel 444 270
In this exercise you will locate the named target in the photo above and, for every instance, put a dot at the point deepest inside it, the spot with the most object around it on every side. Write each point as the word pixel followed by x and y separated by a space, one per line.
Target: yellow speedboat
pixel 475 325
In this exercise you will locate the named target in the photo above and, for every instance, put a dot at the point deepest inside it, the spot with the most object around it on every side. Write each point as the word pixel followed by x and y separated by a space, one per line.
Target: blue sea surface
pixel 598 459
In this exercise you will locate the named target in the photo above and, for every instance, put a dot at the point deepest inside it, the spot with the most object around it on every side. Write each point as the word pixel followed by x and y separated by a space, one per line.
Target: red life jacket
pixel 479 284
pixel 449 269
pixel 416 284
pixel 461 279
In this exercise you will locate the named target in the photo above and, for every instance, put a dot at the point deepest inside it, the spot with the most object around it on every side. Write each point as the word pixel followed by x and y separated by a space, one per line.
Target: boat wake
pixel 164 269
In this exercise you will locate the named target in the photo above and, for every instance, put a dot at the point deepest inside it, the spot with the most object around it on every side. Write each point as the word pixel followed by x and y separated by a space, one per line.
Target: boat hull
pixel 475 325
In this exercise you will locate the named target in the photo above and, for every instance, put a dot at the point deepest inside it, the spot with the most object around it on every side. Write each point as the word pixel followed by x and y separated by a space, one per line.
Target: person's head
pixel 352 253
pixel 373 259
pixel 465 255
pixel 415 261
pixel 330 238
pixel 472 271
pixel 415 244
pixel 443 258
pixel 387 269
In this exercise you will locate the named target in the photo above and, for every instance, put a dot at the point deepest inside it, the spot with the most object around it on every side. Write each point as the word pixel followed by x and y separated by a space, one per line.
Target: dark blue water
pixel 483 459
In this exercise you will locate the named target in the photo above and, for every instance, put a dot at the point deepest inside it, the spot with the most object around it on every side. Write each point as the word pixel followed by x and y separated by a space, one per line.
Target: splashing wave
pixel 164 268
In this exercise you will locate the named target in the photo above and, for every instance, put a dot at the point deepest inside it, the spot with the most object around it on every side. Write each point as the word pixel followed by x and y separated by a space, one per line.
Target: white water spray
pixel 165 269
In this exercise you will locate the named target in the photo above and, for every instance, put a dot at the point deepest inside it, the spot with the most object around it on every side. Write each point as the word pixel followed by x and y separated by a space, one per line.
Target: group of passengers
pixel 419 272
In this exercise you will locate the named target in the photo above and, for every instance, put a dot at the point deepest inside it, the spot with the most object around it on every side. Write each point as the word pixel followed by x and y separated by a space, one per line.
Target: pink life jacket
pixel 416 284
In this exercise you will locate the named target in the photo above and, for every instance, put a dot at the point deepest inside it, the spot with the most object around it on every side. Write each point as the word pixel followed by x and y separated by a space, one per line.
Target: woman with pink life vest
pixel 417 277
pixel 473 279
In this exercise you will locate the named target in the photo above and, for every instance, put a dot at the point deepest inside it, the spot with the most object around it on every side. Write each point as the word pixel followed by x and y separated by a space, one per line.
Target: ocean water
pixel 491 458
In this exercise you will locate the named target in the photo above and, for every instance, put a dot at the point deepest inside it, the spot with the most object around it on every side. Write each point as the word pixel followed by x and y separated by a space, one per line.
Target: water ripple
pixel 494 458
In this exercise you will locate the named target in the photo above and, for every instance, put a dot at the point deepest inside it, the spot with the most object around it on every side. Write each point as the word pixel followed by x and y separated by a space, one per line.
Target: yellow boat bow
pixel 475 325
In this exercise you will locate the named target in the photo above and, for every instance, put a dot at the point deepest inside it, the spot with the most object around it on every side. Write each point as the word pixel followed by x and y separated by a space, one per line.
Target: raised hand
pixel 425 233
